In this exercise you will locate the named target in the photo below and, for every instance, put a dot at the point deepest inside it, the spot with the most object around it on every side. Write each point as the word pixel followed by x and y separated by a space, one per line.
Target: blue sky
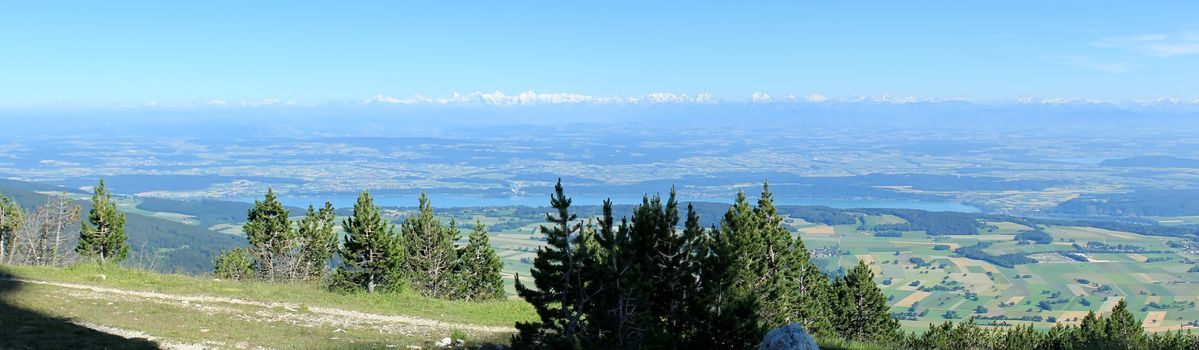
pixel 102 52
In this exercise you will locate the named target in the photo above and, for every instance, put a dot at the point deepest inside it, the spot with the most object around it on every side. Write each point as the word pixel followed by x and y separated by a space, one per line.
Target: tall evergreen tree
pixel 480 267
pixel 11 219
pixel 777 273
pixel 317 237
pixel 661 258
pixel 272 237
pixel 430 259
pixel 1122 330
pixel 104 238
pixel 1090 332
pixel 862 311
pixel 794 289
pixel 731 320
pixel 614 287
pixel 811 292
pixel 558 296
pixel 697 247
pixel 371 255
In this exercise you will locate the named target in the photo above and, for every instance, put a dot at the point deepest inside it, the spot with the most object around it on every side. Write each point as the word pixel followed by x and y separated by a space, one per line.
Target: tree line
pixel 44 235
pixel 423 255
pixel 641 283
pixel 1119 329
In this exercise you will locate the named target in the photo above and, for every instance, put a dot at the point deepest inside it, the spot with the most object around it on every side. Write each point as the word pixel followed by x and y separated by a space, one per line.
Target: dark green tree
pixel 614 288
pixel 12 216
pixel 430 259
pixel 861 307
pixel 371 255
pixel 731 319
pixel 480 267
pixel 1089 334
pixel 811 292
pixel 104 239
pixel 1122 330
pixel 777 272
pixel 664 276
pixel 559 296
pixel 272 237
pixel 697 246
pixel 317 238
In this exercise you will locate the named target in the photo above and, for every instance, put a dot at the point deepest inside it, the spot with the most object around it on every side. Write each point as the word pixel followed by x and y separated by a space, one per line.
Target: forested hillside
pixel 156 243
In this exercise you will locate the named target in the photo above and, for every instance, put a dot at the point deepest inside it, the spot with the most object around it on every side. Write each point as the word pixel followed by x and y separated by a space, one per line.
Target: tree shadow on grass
pixel 26 329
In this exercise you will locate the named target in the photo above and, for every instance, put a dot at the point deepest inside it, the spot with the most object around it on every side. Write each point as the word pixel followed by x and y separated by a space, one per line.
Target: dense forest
pixel 1176 202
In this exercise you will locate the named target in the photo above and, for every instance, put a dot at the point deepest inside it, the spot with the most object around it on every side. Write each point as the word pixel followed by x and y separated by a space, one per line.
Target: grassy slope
pixel 228 324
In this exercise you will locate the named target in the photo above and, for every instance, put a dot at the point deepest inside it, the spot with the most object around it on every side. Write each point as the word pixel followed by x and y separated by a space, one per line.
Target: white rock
pixel 789 337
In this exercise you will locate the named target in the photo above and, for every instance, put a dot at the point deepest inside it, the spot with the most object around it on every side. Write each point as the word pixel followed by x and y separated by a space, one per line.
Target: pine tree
pixel 371 255
pixel 661 258
pixel 811 292
pixel 862 311
pixel 480 267
pixel 804 290
pixel 778 273
pixel 105 238
pixel 697 247
pixel 318 241
pixel 559 296
pixel 272 238
pixel 11 219
pixel 429 259
pixel 1122 330
pixel 613 285
pixel 1090 332
pixel 731 319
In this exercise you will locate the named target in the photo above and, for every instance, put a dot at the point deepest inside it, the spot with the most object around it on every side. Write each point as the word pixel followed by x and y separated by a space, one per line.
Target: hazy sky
pixel 98 52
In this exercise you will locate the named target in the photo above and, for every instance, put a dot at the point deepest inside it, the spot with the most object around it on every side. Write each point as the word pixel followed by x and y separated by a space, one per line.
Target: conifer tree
pixel 1122 330
pixel 480 267
pixel 1090 332
pixel 697 247
pixel 811 291
pixel 11 219
pixel 318 241
pixel 104 238
pixel 777 272
pixel 429 259
pixel 800 290
pixel 558 296
pixel 862 311
pixel 731 319
pixel 271 235
pixel 371 255
pixel 663 276
pixel 614 286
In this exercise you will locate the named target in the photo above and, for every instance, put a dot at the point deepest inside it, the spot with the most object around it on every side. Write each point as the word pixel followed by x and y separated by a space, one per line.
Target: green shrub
pixel 234 264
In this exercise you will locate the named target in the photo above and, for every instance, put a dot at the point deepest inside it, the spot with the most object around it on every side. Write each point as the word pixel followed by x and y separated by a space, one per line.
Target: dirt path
pixel 296 314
